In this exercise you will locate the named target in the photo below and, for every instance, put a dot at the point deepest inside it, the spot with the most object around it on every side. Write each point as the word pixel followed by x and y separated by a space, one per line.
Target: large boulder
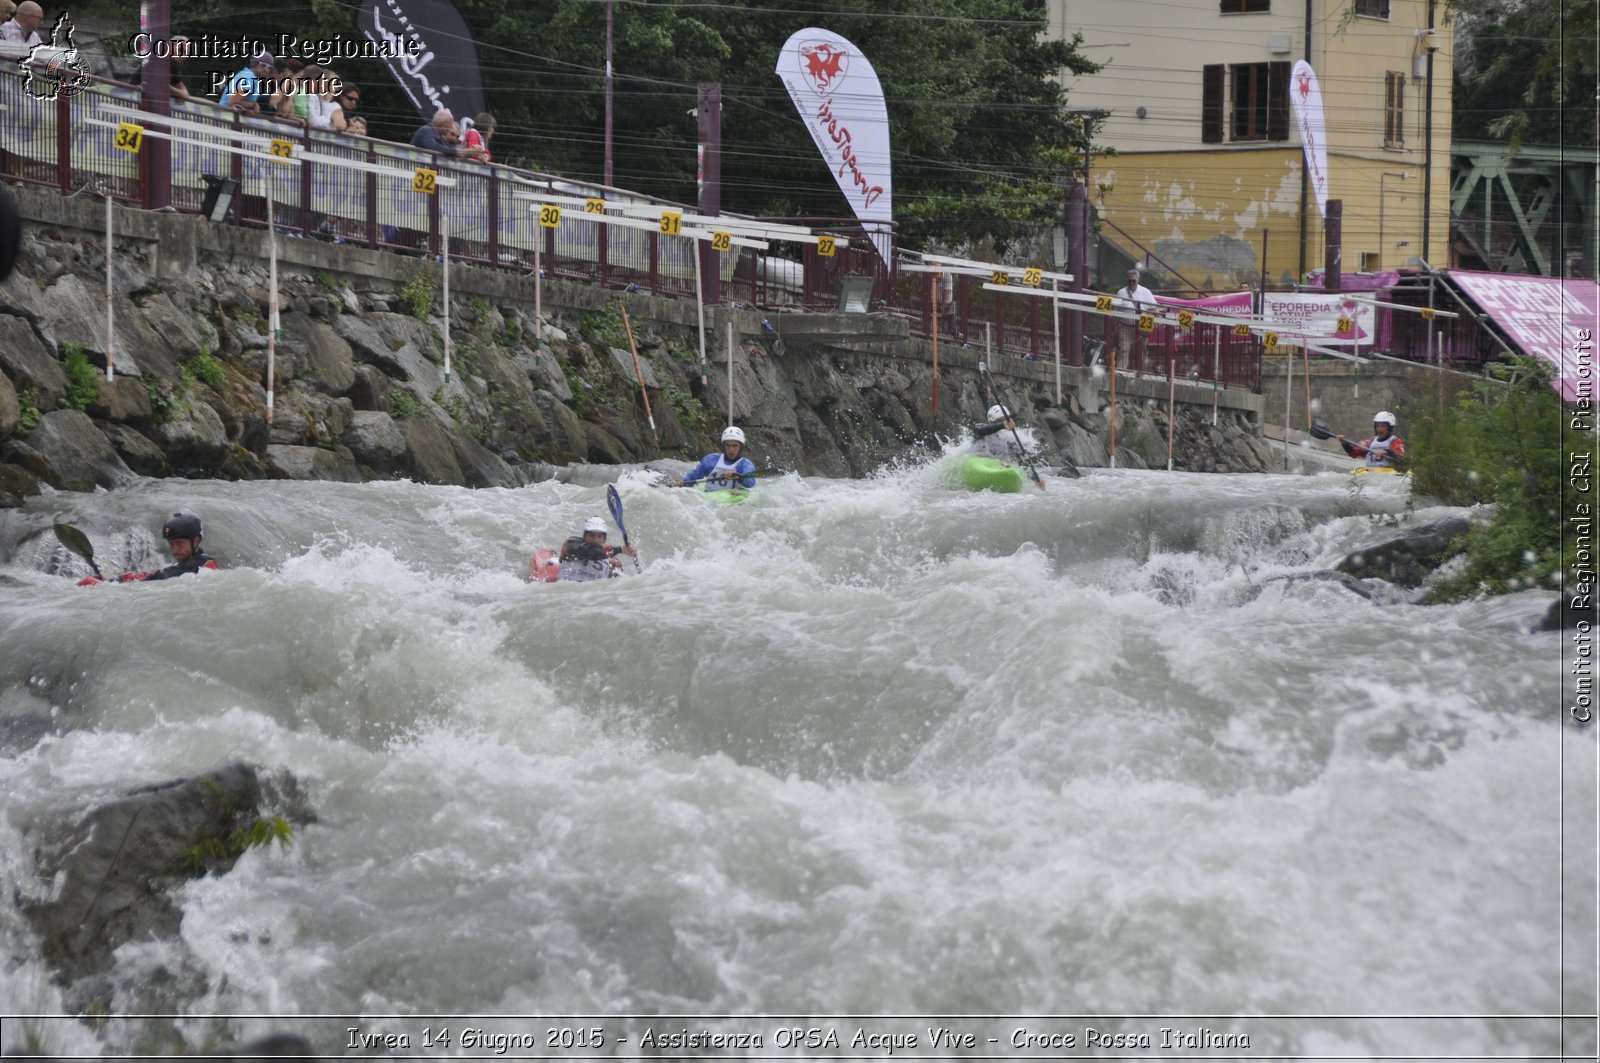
pixel 195 439
pixel 122 399
pixel 112 869
pixel 309 418
pixel 10 408
pixel 568 440
pixel 376 441
pixel 184 335
pixel 141 454
pixel 429 453
pixel 371 389
pixel 16 486
pixel 69 453
pixel 1408 557
pixel 28 363
pixel 401 346
pixel 329 363
pixel 314 463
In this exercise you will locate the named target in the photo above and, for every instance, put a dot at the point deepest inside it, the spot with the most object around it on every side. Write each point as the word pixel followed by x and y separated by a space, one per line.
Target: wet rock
pixel 329 361
pixel 375 441
pixel 111 869
pixel 1408 557
pixel 1377 591
pixel 309 419
pixel 195 439
pixel 69 453
pixel 17 485
pixel 315 463
pixel 10 408
pixel 140 453
pixel 122 399
pixel 624 361
pixel 431 458
pixel 25 360
pixel 479 466
pixel 568 439
pixel 371 389
pixel 1568 611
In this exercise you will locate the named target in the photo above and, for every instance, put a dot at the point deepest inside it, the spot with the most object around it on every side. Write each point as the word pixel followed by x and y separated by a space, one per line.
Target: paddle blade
pixel 614 501
pixel 1319 430
pixel 75 540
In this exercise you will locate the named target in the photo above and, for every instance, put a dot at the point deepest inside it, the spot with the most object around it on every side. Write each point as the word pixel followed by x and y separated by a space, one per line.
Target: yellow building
pixel 1208 162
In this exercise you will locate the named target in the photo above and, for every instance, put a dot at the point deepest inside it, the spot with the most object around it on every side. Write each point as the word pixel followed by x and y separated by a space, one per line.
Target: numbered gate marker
pixel 1033 277
pixel 1185 319
pixel 594 206
pixel 825 246
pixel 129 137
pixel 1147 322
pixel 425 180
pixel 549 215
pixel 671 222
pixel 1102 303
pixel 282 151
pixel 721 241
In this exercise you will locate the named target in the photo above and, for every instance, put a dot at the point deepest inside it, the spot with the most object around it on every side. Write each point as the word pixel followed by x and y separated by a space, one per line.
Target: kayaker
pixel 182 533
pixel 587 557
pixel 1383 447
pixel 988 440
pixel 725 470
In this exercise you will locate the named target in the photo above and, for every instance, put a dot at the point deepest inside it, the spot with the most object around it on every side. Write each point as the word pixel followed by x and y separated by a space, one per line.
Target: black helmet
pixel 181 526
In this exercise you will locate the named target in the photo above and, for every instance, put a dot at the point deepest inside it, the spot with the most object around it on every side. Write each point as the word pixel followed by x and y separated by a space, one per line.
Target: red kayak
pixel 544 567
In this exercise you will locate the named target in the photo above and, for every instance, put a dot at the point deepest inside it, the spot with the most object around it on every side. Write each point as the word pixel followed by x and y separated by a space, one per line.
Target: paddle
pixel 78 543
pixel 677 481
pixel 1027 462
pixel 1320 430
pixel 614 500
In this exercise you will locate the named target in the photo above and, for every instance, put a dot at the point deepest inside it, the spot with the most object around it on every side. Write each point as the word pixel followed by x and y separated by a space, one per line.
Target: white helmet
pixel 595 524
pixel 731 434
pixel 998 412
pixel 1383 417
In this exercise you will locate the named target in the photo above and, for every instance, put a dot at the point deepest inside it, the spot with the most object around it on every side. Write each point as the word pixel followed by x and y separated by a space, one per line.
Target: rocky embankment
pixel 362 393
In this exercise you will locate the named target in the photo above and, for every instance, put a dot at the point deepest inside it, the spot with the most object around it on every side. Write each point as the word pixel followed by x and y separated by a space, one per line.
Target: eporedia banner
pixel 840 100
pixel 441 71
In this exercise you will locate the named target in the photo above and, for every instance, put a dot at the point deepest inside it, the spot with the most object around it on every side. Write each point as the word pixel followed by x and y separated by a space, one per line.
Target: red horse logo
pixel 1304 85
pixel 823 64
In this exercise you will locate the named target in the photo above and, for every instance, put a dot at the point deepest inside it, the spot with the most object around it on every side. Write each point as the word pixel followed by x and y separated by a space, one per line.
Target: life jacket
pixel 722 468
pixel 193 563
pixel 582 561
pixel 1378 449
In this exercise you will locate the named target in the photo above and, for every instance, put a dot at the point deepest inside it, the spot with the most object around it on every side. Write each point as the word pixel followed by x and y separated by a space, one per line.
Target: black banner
pixel 436 56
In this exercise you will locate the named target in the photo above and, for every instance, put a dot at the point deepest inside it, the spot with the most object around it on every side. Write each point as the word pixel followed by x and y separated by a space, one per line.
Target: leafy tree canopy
pixel 979 131
pixel 1532 72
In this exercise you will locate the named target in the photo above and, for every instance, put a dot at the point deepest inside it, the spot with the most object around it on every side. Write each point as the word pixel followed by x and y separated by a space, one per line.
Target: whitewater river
pixel 869 748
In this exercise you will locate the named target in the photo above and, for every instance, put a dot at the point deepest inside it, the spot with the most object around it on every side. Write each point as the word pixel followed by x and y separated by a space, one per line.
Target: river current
pixel 861 748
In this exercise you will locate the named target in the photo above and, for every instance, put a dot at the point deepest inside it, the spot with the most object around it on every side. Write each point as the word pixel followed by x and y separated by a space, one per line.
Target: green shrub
pixel 418 296
pixel 83 380
pixel 205 367
pixel 403 404
pixel 1500 442
pixel 28 400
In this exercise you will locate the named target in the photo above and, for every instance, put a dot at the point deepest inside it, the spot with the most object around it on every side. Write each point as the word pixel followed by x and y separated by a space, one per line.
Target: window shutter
pixel 1211 104
pixel 1278 101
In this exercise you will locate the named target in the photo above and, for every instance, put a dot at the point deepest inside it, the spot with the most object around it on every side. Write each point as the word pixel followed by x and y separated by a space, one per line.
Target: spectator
pixel 7 9
pixel 246 92
pixel 181 50
pixel 287 99
pixel 23 26
pixel 349 100
pixel 356 126
pixel 322 111
pixel 436 136
pixel 476 138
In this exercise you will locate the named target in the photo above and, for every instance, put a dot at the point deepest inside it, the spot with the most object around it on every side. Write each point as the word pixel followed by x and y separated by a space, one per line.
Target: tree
pixel 1532 73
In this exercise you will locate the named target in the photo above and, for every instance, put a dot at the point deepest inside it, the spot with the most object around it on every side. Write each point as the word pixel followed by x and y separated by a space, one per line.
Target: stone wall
pixel 361 391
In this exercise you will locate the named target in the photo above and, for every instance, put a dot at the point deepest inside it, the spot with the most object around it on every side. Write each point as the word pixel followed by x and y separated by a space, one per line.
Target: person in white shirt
pixel 24 25
pixel 1134 297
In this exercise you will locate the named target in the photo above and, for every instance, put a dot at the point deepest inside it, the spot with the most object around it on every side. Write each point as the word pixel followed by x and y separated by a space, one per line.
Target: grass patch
pixel 207 853
pixel 205 368
pixel 83 380
pixel 604 327
pixel 28 401
pixel 324 278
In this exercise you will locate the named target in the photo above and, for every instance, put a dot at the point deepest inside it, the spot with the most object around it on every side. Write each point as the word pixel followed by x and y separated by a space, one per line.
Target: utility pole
pixel 155 90
pixel 708 116
pixel 1430 42
pixel 609 175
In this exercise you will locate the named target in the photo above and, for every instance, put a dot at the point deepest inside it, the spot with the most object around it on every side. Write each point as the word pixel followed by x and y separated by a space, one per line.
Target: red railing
pixel 55 143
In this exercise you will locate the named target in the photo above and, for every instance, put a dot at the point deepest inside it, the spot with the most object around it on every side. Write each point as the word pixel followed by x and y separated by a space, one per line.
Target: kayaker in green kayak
pixel 726 470
pixel 988 442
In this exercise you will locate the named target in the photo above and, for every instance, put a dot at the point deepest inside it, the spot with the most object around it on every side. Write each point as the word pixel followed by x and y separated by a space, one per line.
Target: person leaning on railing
pixel 438 135
pixel 246 91
pixel 23 26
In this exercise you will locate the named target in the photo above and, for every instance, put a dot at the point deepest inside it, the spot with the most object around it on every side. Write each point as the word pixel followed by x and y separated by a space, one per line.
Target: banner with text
pixel 1544 317
pixel 1306 96
pixel 1321 313
pixel 840 100
pixel 436 57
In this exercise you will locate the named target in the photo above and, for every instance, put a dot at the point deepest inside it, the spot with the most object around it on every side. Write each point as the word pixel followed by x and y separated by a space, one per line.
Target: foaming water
pixel 858 747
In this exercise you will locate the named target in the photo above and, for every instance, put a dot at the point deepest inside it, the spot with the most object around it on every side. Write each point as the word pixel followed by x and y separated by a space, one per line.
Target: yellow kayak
pixel 1377 470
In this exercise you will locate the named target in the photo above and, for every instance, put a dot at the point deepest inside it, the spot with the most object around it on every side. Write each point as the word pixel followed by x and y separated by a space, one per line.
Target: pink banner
pixel 1234 304
pixel 1549 318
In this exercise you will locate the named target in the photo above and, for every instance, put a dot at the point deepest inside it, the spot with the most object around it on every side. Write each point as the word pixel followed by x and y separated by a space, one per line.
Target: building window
pixel 1394 110
pixel 1370 260
pixel 1373 8
pixel 1232 7
pixel 1248 101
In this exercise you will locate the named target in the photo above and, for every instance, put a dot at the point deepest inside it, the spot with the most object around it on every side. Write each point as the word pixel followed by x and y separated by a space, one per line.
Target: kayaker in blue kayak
pixel 587 557
pixel 726 470
pixel 1383 447
pixel 182 533
pixel 988 442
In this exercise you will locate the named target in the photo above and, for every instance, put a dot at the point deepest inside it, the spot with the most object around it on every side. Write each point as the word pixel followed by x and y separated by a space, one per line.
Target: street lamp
pixel 1382 249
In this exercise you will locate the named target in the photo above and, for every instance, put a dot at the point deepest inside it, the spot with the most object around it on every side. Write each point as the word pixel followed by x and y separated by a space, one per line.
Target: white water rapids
pixel 867 748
